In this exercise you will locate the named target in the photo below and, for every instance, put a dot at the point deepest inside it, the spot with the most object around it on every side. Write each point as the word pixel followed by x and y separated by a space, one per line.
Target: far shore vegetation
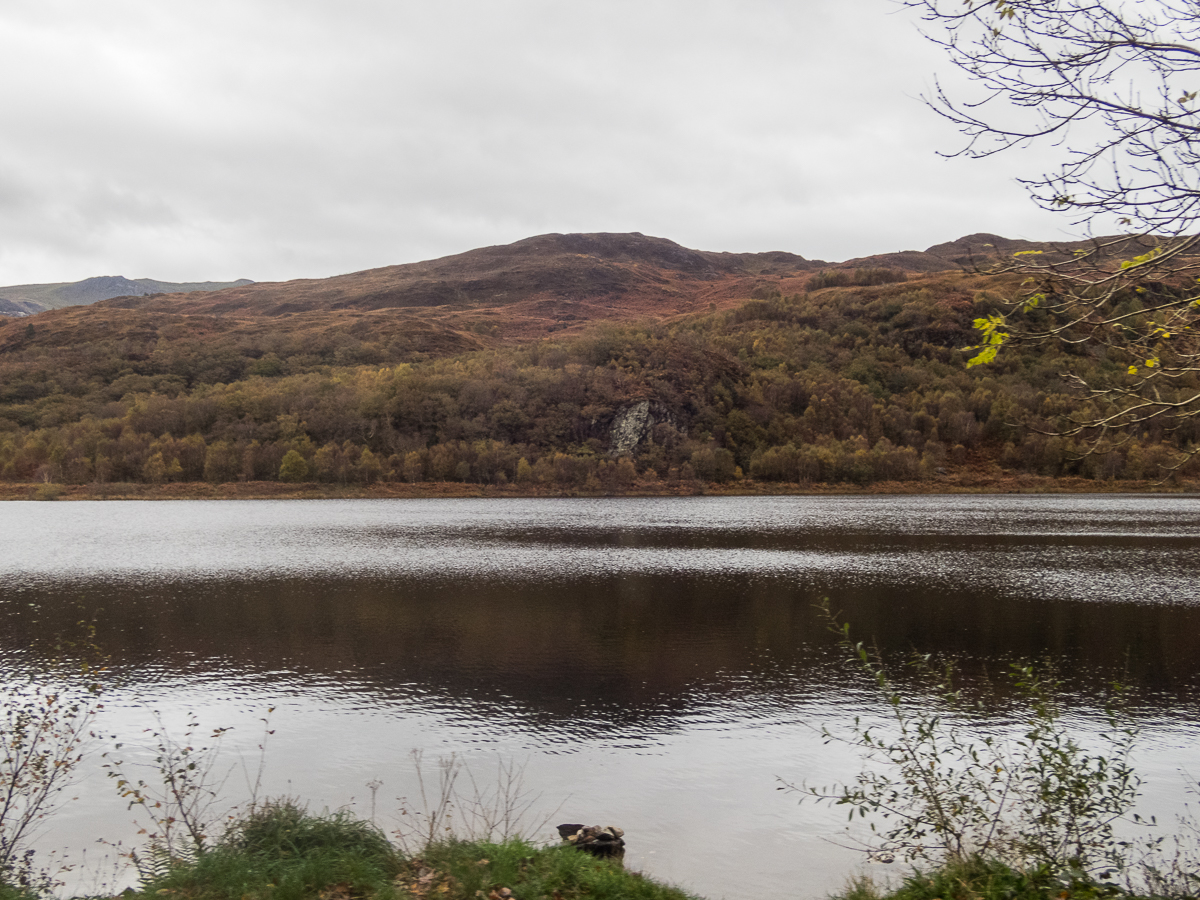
pixel 951 483
pixel 843 387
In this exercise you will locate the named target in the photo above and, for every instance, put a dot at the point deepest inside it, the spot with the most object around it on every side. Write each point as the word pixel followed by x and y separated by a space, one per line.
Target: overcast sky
pixel 274 139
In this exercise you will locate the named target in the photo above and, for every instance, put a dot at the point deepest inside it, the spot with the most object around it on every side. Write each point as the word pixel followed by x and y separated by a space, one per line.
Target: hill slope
pixel 26 299
pixel 557 277
pixel 567 361
pixel 488 297
pixel 567 277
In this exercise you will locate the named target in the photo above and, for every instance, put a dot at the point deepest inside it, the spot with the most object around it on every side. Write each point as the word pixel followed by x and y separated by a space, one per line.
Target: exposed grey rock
pixel 633 424
pixel 18 308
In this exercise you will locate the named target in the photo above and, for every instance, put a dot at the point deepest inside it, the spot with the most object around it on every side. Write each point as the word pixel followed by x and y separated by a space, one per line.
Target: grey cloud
pixel 273 140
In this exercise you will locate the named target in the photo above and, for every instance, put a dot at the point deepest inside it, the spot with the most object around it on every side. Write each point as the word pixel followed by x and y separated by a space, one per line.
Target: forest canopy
pixel 854 384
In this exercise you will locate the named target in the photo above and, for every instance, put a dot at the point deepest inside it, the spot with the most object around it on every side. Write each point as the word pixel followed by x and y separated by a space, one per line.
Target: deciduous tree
pixel 293 467
pixel 1115 86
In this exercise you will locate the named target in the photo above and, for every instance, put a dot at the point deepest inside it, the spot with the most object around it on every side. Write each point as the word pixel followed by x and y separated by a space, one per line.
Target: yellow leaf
pixel 1144 258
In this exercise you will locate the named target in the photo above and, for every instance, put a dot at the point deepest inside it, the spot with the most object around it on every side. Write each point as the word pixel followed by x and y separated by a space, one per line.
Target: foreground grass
pixel 472 869
pixel 283 853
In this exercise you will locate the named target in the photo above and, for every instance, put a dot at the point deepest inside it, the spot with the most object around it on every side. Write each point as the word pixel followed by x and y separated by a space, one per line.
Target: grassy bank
pixel 282 852
pixel 953 483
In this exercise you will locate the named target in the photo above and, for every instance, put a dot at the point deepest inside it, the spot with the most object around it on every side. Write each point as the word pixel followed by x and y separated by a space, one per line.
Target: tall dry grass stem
pixel 451 802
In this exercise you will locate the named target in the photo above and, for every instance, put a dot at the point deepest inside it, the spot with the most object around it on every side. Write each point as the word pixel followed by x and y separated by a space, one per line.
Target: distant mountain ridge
pixel 579 270
pixel 570 278
pixel 27 299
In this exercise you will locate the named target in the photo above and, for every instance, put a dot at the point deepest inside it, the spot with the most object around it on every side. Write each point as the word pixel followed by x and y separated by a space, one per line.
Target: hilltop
pixel 520 290
pixel 488 297
pixel 533 286
pixel 576 276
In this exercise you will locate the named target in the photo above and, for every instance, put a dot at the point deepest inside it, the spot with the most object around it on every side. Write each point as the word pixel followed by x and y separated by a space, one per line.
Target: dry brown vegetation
pixel 504 369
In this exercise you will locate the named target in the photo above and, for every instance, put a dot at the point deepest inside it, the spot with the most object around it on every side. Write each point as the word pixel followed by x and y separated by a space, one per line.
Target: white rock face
pixel 633 424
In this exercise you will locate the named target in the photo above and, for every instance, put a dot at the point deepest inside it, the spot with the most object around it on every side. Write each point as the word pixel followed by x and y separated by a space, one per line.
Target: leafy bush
pixel 831 278
pixel 181 799
pixel 986 879
pixel 937 789
pixel 46 717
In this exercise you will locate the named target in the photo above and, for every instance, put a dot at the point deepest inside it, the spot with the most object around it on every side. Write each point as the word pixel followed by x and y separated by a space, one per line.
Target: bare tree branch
pixel 1115 85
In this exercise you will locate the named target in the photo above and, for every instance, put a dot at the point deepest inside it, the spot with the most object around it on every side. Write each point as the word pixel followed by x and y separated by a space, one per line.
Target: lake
pixel 655 664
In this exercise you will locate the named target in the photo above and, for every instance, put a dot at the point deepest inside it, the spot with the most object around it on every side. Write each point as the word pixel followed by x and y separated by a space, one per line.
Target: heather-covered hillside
pixel 851 383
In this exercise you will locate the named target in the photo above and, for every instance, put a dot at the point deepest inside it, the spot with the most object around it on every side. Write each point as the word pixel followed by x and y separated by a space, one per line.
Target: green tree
pixel 220 462
pixel 524 471
pixel 414 468
pixel 155 470
pixel 369 468
pixel 625 473
pixel 293 468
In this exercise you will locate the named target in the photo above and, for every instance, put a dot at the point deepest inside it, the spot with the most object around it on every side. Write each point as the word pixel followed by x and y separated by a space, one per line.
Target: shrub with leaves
pixel 941 784
pixel 46 716
pixel 180 799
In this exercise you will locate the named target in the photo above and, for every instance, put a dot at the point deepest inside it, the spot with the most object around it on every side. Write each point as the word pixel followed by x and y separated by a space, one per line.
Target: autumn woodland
pixel 511 366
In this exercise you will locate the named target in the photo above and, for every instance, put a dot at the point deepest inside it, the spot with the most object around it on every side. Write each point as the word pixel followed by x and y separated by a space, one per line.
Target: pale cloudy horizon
pixel 274 140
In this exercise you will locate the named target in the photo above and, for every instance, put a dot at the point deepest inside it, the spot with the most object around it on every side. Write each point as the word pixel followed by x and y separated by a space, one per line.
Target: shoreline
pixel 954 483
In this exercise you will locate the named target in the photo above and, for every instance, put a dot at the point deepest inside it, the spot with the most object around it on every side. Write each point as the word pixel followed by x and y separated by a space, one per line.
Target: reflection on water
pixel 658 661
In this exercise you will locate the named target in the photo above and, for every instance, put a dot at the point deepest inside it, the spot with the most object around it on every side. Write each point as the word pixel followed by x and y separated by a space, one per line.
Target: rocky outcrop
pixel 19 307
pixel 633 424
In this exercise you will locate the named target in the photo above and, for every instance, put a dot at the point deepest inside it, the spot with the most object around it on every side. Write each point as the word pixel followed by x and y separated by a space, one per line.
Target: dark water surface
pixel 656 663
